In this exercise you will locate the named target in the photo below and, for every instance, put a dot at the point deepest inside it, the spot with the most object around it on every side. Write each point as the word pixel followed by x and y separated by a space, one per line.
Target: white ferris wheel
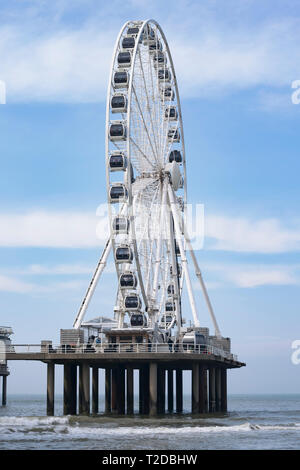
pixel 146 187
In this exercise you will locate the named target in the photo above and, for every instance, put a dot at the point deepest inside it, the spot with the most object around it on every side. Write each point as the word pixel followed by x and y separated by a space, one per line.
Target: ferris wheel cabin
pixel 121 79
pixel 117 131
pixel 118 193
pixel 128 280
pixel 164 75
pixel 120 225
pixel 128 43
pixel 124 59
pixel 171 113
pixel 117 161
pixel 132 302
pixel 167 94
pixel 118 103
pixel 123 254
pixel 173 135
pixel 175 155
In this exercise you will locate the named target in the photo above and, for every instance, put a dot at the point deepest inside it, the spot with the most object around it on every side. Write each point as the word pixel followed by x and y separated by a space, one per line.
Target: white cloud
pixel 64 64
pixel 52 229
pixel 15 285
pixel 252 275
pixel 9 284
pixel 86 230
pixel 245 235
pixel 38 270
pixel 261 276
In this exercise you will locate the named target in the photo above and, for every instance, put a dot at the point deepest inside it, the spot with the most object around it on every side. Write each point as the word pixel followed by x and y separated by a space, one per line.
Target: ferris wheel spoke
pixel 145 126
pixel 147 96
pixel 154 107
pixel 141 152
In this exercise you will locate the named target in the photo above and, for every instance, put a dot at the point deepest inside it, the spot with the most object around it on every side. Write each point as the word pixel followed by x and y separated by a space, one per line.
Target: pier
pixel 158 370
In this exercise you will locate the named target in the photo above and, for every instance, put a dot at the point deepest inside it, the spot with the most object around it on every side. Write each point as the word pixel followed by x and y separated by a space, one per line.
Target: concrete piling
pixel 95 390
pixel 114 390
pixel 161 390
pixel 130 390
pixel 179 390
pixel 85 389
pixel 218 389
pixel 121 391
pixel 4 389
pixel 170 391
pixel 224 390
pixel 195 388
pixel 153 389
pixel 202 390
pixel 50 388
pixel 212 390
pixel 107 390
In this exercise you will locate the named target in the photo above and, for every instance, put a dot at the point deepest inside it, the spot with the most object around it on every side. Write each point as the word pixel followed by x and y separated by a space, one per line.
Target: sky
pixel 237 65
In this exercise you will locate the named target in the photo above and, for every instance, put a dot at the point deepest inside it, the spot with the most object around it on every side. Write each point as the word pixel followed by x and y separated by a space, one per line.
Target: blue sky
pixel 235 64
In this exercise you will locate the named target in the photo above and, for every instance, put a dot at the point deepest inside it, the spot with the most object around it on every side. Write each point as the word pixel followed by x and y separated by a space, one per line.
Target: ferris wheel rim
pixel 108 120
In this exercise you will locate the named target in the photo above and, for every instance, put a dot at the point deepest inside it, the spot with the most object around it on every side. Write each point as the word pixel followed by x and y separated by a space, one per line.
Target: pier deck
pixel 208 365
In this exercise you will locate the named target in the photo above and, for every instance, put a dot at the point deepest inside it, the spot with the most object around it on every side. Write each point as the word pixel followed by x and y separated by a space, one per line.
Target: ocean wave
pixel 68 428
pixel 33 421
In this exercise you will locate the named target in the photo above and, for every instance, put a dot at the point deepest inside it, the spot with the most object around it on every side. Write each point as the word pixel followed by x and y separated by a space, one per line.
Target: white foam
pixel 32 421
pixel 65 428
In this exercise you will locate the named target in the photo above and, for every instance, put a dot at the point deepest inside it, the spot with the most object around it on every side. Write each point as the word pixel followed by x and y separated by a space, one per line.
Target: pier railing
pixel 121 348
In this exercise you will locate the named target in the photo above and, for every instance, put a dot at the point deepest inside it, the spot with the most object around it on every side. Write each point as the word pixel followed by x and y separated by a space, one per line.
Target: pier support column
pixel 178 390
pixel 4 389
pixel 67 389
pixel 218 389
pixel 161 390
pixel 107 390
pixel 85 389
pixel 144 390
pixel 195 388
pixel 224 390
pixel 212 390
pixel 95 391
pixel 153 389
pixel 130 389
pixel 114 390
pixel 73 390
pixel 80 391
pixel 170 391
pixel 202 390
pixel 121 391
pixel 50 388
pixel 206 405
pixel 141 390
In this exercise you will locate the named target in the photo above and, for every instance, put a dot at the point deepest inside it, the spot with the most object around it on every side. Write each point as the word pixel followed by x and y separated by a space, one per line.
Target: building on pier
pixel 5 344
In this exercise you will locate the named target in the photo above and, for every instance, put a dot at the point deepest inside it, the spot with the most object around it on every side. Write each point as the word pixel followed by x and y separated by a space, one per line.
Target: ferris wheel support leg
pixel 203 287
pixel 100 267
pixel 158 260
pixel 182 254
pixel 175 278
pixel 200 278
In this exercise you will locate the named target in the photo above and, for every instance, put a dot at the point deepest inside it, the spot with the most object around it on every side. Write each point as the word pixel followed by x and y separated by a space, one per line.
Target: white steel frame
pixel 156 220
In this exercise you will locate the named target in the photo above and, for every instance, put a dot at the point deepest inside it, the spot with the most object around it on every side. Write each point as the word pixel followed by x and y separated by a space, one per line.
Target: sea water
pixel 252 422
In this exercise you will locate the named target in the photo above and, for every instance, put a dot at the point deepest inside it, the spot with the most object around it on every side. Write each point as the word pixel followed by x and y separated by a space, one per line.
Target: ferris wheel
pixel 146 186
